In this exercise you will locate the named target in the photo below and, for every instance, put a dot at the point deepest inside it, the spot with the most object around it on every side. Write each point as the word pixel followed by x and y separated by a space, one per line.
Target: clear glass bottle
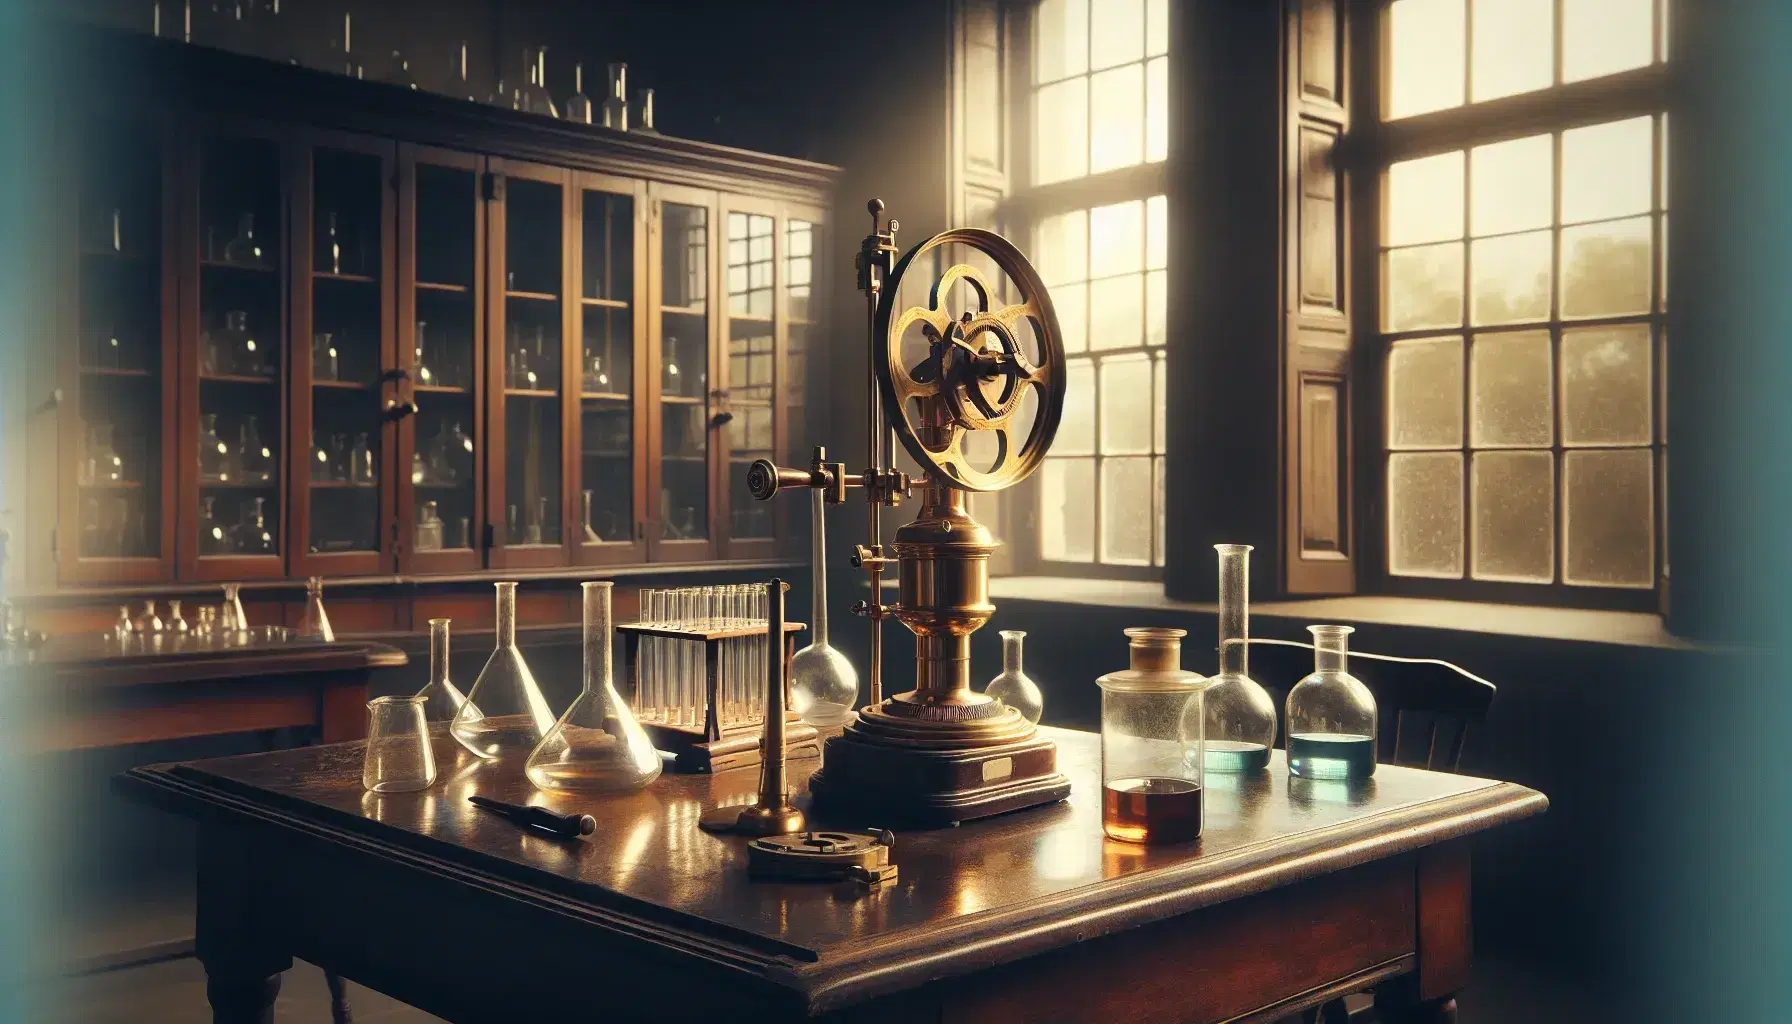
pixel 124 630
pixel 597 746
pixel 326 363
pixel 212 450
pixel 105 464
pixel 252 534
pixel 535 98
pixel 1014 687
pixel 330 246
pixel 616 98
pixel 1151 764
pixel 671 378
pixel 175 623
pixel 590 535
pixel 505 715
pixel 245 353
pixel 315 623
pixel 442 700
pixel 212 540
pixel 1331 715
pixel 231 619
pixel 361 469
pixel 243 249
pixel 425 375
pixel 578 105
pixel 823 683
pixel 1240 725
pixel 429 528
pixel 644 112
pixel 255 458
pixel 149 623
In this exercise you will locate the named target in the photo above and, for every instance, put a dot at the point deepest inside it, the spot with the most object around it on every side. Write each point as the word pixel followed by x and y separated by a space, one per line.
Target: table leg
pixel 246 1000
pixel 339 1011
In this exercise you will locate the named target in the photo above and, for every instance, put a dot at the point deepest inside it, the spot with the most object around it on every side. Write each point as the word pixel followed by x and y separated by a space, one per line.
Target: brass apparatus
pixel 941 752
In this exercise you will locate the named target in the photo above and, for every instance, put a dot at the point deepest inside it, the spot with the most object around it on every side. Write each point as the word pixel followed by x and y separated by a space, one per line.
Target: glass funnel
pixel 597 746
pixel 1014 687
pixel 315 623
pixel 442 700
pixel 1331 715
pixel 505 715
pixel 823 683
pixel 1240 725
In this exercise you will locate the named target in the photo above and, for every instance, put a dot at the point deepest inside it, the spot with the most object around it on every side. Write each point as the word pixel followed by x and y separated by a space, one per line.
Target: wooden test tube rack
pixel 715 745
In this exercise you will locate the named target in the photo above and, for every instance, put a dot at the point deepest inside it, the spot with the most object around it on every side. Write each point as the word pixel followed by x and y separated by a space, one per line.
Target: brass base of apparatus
pixel 894 770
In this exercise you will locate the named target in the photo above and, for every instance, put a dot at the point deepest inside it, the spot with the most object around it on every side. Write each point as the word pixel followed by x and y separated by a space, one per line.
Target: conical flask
pixel 597 746
pixel 505 715
pixel 315 624
pixel 1240 727
pixel 1014 687
pixel 442 700
pixel 823 684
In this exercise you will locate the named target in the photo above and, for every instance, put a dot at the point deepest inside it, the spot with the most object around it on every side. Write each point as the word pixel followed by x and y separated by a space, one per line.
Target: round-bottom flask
pixel 1014 687
pixel 1331 715
pixel 823 683
pixel 1151 768
pixel 597 746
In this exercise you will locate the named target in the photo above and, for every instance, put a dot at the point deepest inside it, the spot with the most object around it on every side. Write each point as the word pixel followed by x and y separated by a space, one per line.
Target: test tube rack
pixel 712 734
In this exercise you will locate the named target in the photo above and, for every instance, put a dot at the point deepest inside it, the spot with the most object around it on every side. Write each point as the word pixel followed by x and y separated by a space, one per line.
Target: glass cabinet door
pixel 609 504
pixel 441 237
pixel 751 381
pixel 342 298
pixel 681 482
pixel 236 324
pixel 118 429
pixel 802 265
pixel 528 324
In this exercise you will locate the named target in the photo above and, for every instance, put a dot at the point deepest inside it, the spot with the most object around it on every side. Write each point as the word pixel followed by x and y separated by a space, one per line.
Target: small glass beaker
pixel 399 758
pixel 1151 768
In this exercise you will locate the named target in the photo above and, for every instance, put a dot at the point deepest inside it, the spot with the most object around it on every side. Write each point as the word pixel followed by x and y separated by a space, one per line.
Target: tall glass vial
pixel 505 716
pixel 1151 763
pixel 823 683
pixel 442 700
pixel 1014 687
pixel 315 623
pixel 597 746
pixel 1331 715
pixel 1239 716
pixel 615 109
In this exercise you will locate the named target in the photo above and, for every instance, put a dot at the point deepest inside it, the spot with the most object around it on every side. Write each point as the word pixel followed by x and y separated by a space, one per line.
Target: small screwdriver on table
pixel 564 826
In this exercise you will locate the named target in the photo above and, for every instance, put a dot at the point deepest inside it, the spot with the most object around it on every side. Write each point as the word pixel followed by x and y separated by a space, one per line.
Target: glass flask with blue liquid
pixel 1331 715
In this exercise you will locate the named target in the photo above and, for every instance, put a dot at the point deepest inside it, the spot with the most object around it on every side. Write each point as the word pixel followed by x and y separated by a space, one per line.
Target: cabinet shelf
pixel 610 454
pixel 749 318
pixel 342 385
pixel 685 310
pixel 433 485
pixel 684 458
pixel 440 389
pixel 234 485
pixel 113 371
pixel 532 296
pixel 530 393
pixel 343 485
pixel 437 286
pixel 604 303
pixel 112 485
pixel 235 378
pixel 324 275
pixel 605 396
pixel 247 268
pixel 681 400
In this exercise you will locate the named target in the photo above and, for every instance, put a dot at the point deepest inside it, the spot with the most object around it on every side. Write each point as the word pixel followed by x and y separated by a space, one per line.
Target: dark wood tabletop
pixel 985 893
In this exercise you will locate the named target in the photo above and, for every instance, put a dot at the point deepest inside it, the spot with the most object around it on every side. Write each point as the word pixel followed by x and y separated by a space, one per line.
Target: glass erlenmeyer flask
pixel 823 683
pixel 615 110
pixel 597 746
pixel 1014 687
pixel 442 700
pixel 315 624
pixel 1331 715
pixel 578 105
pixel 1240 726
pixel 233 621
pixel 505 715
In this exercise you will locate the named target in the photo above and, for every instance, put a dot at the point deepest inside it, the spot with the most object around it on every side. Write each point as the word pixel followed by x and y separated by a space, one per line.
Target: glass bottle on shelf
pixel 211 347
pixel 252 536
pixel 511 531
pixel 671 378
pixel 256 459
pixel 123 629
pixel 597 745
pixel 578 105
pixel 1331 714
pixel 104 466
pixel 320 458
pixel 1014 687
pixel 590 535
pixel 644 112
pixel 243 249
pixel 442 700
pixel 463 86
pixel 361 469
pixel 1151 765
pixel 231 619
pixel 425 375
pixel 213 451
pixel 325 361
pixel 505 715
pixel 1240 727
pixel 532 533
pixel 400 73
pixel 616 98
pixel 331 244
pixel 314 624
pixel 339 462
pixel 212 540
pixel 429 528
pixel 175 624
pixel 149 623
pixel 535 98
pixel 244 354
pixel 824 685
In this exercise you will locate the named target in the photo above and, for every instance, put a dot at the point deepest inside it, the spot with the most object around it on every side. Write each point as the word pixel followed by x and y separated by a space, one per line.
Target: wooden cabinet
pixel 371 332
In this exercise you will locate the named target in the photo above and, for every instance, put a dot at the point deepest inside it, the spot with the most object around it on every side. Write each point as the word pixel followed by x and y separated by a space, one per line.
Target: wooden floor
pixel 174 993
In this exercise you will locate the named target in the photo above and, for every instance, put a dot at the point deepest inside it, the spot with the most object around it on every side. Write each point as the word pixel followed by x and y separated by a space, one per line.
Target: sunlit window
pixel 1522 291
pixel 1100 78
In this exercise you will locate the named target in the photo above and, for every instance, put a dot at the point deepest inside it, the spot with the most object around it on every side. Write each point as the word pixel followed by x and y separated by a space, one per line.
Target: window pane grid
pixel 1523 370
pixel 1100 86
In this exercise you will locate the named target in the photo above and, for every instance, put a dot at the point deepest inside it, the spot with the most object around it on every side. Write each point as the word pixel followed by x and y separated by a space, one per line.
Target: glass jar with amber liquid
pixel 1151 743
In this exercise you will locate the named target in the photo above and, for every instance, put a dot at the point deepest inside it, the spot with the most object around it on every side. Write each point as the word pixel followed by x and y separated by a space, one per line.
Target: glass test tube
pixel 646 701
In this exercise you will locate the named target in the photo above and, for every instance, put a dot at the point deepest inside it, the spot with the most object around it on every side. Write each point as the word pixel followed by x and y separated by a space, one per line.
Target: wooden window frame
pixel 1365 157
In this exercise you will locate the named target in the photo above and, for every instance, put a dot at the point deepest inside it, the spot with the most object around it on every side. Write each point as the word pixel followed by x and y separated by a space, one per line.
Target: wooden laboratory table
pixel 88 692
pixel 1297 892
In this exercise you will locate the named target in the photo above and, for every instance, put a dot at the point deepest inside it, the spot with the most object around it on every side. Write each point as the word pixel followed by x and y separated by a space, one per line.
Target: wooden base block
pixel 737 748
pixel 909 787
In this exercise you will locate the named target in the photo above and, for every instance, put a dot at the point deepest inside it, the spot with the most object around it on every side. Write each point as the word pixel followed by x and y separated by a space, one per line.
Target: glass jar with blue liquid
pixel 1331 715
